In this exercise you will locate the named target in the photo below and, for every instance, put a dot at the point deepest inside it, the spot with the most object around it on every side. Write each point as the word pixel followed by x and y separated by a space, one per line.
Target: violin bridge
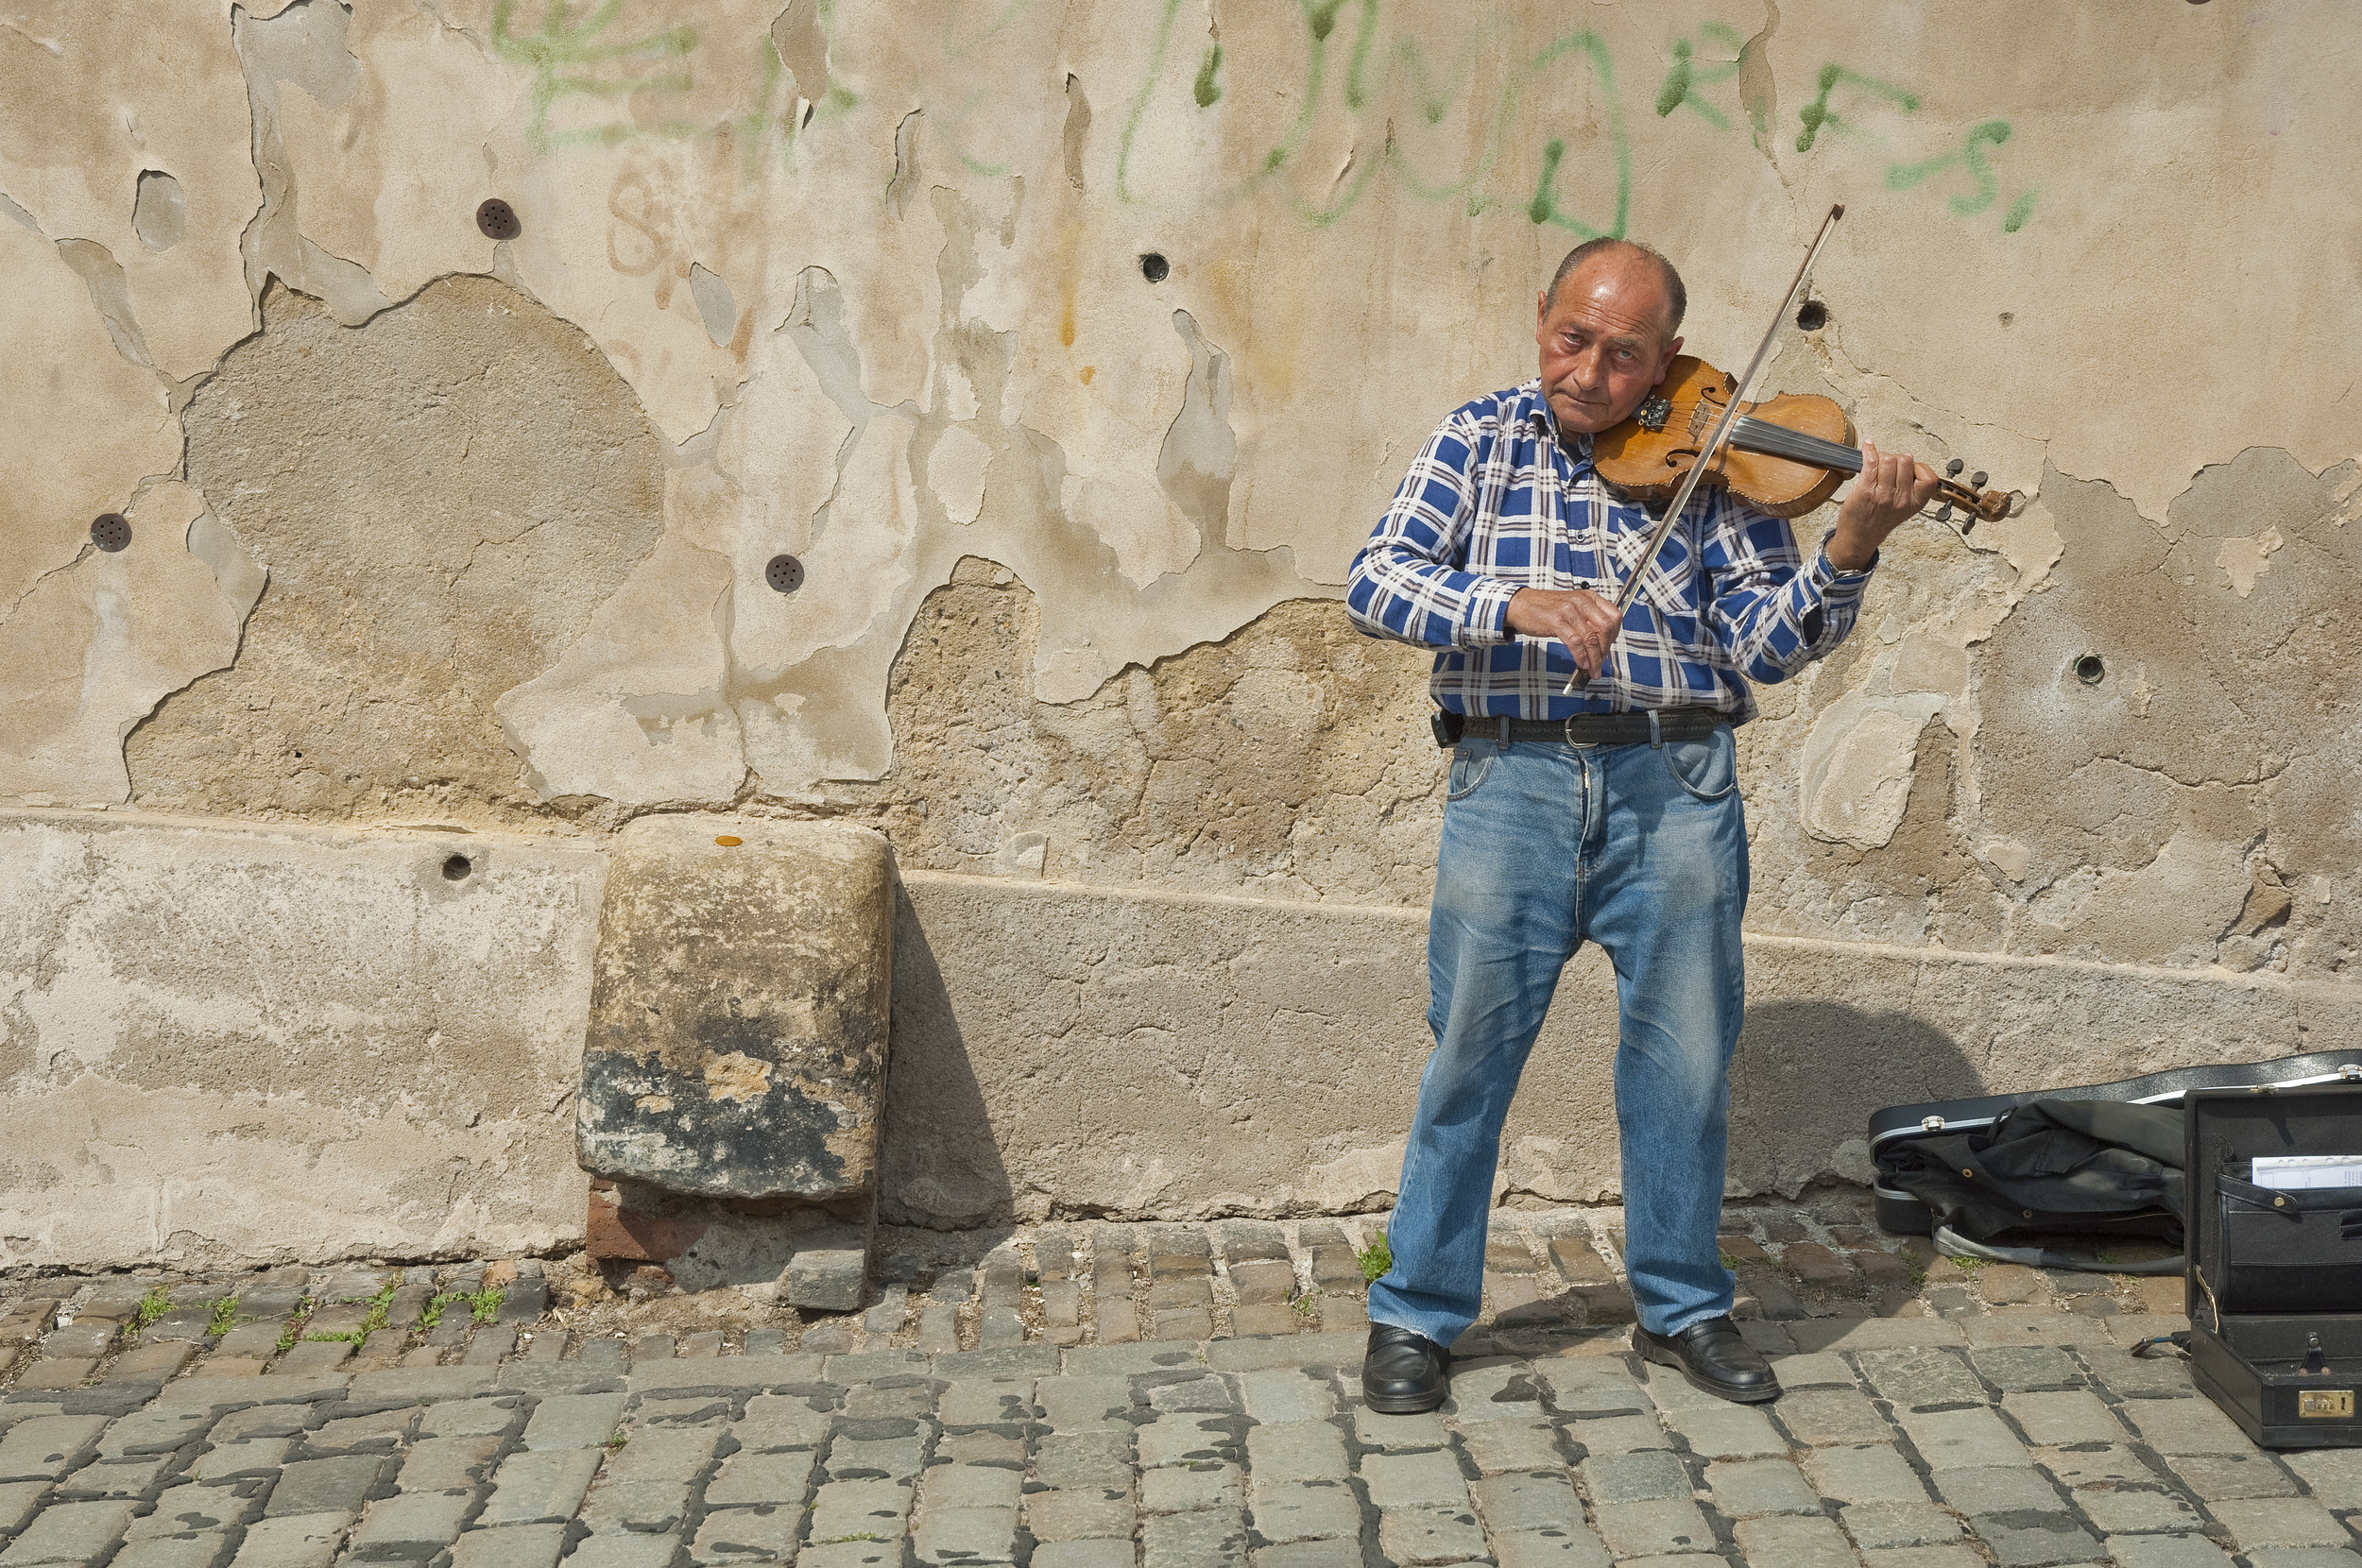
pixel 1653 413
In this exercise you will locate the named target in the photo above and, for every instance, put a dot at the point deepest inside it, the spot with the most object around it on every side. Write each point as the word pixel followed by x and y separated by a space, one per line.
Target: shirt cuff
pixel 1827 578
pixel 1485 623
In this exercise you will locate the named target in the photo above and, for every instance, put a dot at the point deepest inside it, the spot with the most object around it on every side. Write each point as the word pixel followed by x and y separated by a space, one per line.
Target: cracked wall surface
pixel 1072 349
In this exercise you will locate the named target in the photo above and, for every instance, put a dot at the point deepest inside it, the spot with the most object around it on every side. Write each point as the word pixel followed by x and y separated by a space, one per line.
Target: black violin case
pixel 2273 1288
pixel 1900 1214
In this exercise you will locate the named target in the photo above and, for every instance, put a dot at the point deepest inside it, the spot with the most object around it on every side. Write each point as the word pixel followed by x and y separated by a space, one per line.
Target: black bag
pixel 2094 1168
pixel 2103 1160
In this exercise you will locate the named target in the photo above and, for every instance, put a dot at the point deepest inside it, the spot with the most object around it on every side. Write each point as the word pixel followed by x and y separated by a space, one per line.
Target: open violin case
pixel 2270 1201
pixel 2276 1249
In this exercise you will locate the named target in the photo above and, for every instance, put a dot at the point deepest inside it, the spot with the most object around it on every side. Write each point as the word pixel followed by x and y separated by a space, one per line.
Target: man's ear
pixel 1541 312
pixel 1664 365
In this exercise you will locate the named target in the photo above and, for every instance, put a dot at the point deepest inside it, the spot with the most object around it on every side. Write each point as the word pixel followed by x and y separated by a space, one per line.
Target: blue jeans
pixel 1642 849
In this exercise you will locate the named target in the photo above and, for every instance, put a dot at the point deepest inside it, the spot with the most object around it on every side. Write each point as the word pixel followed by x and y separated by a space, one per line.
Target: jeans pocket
pixel 1470 763
pixel 1708 769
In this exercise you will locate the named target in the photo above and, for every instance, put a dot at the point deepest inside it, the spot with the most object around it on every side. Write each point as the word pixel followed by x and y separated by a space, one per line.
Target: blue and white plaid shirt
pixel 1495 503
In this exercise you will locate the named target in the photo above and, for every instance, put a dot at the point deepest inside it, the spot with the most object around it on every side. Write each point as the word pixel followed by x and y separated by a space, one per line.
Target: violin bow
pixel 1713 447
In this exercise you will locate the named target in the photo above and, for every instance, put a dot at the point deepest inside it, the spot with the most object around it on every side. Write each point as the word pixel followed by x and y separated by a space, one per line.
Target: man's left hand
pixel 1890 489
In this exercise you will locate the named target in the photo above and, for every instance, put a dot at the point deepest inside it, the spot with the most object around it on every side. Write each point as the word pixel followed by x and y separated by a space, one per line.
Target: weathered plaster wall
pixel 226 1044
pixel 431 528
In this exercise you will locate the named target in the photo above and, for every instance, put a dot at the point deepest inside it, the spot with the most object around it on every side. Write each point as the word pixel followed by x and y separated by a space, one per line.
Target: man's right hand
pixel 1582 620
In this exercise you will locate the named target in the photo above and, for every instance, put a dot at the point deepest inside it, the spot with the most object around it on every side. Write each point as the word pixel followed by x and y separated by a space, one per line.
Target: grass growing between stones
pixel 1377 1259
pixel 379 1305
pixel 481 1304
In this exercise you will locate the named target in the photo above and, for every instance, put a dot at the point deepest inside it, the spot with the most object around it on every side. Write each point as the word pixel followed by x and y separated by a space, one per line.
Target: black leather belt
pixel 1585 730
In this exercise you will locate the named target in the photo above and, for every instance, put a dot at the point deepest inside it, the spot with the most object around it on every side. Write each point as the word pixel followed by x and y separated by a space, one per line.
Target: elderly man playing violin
pixel 1611 813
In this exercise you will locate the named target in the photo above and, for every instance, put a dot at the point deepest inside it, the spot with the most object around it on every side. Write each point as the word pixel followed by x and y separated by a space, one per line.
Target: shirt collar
pixel 1543 421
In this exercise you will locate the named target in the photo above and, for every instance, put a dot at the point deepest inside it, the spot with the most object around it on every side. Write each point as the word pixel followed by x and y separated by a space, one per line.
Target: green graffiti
pixel 1818 116
pixel 1443 128
pixel 954 47
pixel 1544 208
pixel 1971 154
pixel 563 53
pixel 1433 89
pixel 1681 82
pixel 1206 91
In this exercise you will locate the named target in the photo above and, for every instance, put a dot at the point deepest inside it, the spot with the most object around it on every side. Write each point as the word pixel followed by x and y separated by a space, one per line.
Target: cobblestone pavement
pixel 1159 1396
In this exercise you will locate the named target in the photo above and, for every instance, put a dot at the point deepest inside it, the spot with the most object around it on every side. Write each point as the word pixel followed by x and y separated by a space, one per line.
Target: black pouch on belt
pixel 1448 726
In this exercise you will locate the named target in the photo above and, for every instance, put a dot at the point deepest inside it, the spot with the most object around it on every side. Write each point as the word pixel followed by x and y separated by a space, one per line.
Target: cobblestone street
pixel 1167 1396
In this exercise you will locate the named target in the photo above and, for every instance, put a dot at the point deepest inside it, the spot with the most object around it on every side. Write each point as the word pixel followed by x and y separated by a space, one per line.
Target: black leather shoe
pixel 1404 1373
pixel 1713 1356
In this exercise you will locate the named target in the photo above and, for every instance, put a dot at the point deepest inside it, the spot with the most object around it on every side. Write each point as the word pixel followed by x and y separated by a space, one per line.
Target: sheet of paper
pixel 2289 1172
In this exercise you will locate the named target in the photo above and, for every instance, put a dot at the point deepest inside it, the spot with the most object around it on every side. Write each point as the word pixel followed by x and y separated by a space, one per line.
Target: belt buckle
pixel 1566 727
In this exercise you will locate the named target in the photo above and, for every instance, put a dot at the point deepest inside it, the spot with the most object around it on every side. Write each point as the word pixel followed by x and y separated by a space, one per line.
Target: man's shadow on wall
pixel 1809 1074
pixel 939 1163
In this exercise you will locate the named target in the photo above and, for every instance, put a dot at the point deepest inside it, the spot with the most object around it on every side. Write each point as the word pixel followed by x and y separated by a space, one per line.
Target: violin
pixel 1784 455
pixel 1691 425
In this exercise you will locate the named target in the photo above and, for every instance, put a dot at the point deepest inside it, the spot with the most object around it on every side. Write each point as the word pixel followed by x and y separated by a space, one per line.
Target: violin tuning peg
pixel 1978 478
pixel 1945 514
pixel 1953 467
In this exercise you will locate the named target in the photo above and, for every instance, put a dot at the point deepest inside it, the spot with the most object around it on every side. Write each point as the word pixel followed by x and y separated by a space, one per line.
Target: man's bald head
pixel 1677 298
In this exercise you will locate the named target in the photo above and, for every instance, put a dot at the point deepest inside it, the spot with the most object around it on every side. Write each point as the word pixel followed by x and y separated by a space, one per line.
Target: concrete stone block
pixel 1305 1511
pixel 1899 1526
pixel 2282 1522
pixel 771 1480
pixel 447 1464
pixel 746 1535
pixel 1500 1447
pixel 829 1272
pixel 1784 1542
pixel 409 1527
pixel 1655 1528
pixel 1569 1545
pixel 651 1505
pixel 2136 1511
pixel 1744 1489
pixel 510 1546
pixel 629 1549
pixel 190 1551
pixel 1312 1554
pixel 2196 1551
pixel 316 986
pixel 842 1509
pixel 1635 1477
pixel 1212 1538
pixel 1820 1418
pixel 296 1540
pixel 1871 1475
pixel 19 1501
pixel 737 1039
pixel 2063 1418
pixel 574 1421
pixel 323 1487
pixel 46 1447
pixel 71 1533
pixel 541 1487
pixel 1429 1535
